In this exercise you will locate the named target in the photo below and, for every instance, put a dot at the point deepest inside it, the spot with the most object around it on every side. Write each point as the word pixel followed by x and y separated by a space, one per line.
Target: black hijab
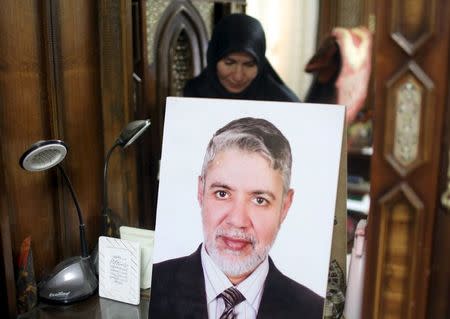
pixel 239 33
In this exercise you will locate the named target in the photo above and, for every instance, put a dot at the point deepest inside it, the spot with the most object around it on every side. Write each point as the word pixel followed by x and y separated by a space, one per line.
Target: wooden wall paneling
pixel 117 106
pixel 53 93
pixel 79 110
pixel 144 165
pixel 25 119
pixel 7 282
pixel 411 65
pixel 149 161
pixel 49 84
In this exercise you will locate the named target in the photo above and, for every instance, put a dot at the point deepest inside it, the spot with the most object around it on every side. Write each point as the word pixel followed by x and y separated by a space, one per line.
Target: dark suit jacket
pixel 178 291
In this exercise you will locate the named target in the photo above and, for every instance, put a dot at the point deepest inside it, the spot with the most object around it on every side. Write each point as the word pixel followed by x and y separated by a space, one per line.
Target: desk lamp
pixel 72 279
pixel 127 137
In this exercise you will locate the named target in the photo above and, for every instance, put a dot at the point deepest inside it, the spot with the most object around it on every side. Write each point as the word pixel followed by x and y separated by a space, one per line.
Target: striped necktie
pixel 231 297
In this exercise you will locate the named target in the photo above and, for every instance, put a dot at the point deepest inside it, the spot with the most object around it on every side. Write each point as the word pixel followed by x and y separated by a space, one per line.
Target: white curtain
pixel 291 28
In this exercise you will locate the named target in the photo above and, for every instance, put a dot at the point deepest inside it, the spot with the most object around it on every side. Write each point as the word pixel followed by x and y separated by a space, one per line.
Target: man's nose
pixel 239 215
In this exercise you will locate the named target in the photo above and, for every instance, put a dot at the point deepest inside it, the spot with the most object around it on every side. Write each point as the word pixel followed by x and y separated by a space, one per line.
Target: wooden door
pixel 411 63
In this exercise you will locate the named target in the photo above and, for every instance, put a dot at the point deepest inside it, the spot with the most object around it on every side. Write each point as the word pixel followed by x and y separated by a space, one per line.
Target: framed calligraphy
pixel 119 269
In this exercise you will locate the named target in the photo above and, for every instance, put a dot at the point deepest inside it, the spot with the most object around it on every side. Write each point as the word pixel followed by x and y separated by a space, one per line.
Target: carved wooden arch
pixel 180 51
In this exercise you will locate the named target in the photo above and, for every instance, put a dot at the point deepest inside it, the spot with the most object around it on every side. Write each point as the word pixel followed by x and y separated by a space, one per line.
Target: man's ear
pixel 200 190
pixel 287 202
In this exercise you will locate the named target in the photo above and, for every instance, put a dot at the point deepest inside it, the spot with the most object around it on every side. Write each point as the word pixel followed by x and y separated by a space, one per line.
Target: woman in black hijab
pixel 237 66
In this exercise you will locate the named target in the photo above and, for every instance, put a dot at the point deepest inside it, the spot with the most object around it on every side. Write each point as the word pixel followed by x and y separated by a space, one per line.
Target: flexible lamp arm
pixel 105 187
pixel 83 241
pixel 127 137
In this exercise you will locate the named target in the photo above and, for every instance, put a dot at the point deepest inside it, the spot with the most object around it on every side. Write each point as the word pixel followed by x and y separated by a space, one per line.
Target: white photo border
pixel 302 248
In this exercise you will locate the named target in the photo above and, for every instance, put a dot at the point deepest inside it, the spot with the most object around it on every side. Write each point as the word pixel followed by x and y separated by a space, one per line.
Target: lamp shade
pixel 43 155
pixel 132 131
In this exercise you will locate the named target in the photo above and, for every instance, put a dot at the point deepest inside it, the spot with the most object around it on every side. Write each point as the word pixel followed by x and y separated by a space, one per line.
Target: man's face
pixel 243 206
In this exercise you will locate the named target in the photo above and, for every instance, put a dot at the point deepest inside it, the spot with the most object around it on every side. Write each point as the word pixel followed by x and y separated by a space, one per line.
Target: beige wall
pixel 290 27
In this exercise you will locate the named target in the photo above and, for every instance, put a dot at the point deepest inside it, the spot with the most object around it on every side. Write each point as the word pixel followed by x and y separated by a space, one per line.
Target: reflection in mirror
pixel 291 42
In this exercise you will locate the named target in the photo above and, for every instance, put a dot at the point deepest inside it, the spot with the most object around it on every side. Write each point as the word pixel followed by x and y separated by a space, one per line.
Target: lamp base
pixel 72 280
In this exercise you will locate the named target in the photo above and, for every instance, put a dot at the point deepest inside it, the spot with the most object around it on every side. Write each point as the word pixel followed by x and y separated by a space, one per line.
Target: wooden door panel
pixel 411 65
pixel 65 73
pixel 76 64
pixel 412 23
pixel 117 107
pixel 26 118
pixel 49 89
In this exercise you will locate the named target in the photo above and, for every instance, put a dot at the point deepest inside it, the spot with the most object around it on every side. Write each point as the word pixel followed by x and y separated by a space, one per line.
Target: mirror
pixel 176 35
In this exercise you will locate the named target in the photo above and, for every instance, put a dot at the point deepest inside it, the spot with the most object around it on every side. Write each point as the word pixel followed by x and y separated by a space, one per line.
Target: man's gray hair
pixel 253 135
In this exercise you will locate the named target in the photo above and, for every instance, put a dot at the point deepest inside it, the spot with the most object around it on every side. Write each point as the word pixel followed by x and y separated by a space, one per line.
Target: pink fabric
pixel 352 84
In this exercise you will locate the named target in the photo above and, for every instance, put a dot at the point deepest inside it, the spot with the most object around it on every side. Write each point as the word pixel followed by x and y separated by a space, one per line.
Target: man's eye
pixel 260 201
pixel 221 194
pixel 250 64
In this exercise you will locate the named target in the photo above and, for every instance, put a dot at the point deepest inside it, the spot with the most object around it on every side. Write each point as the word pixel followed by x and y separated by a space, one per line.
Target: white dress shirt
pixel 216 282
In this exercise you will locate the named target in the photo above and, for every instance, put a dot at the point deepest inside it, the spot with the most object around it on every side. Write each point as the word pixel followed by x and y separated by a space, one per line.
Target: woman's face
pixel 236 71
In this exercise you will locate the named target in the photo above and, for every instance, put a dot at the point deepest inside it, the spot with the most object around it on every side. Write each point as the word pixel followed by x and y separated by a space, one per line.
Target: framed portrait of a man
pixel 246 205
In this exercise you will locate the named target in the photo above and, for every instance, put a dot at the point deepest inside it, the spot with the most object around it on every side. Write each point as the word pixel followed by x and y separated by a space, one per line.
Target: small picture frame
pixel 119 269
pixel 145 238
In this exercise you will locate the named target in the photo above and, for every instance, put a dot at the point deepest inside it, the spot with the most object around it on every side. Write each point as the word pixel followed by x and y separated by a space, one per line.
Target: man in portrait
pixel 244 194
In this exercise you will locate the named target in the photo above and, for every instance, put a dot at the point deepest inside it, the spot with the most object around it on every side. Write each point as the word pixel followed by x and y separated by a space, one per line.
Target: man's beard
pixel 231 262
